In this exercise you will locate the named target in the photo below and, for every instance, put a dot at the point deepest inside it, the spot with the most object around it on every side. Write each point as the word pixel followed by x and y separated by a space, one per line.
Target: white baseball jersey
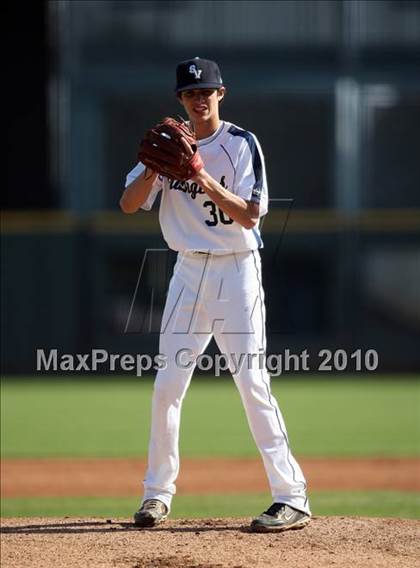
pixel 188 217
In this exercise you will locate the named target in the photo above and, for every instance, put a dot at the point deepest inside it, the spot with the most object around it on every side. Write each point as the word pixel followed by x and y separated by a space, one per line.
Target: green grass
pixel 324 416
pixel 372 504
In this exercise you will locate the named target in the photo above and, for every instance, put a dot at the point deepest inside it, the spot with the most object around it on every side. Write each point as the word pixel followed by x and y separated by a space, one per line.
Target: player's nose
pixel 200 97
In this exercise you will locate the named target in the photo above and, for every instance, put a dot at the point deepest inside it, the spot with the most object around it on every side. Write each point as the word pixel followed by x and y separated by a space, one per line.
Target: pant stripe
pixel 262 373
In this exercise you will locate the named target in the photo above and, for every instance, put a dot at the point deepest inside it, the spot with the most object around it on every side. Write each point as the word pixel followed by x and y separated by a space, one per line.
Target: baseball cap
pixel 198 73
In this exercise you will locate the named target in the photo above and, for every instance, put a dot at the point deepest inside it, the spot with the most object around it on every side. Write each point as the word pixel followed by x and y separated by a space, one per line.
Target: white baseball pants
pixel 220 296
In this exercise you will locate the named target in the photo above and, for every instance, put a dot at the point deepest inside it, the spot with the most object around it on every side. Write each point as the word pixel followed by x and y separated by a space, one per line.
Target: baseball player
pixel 211 218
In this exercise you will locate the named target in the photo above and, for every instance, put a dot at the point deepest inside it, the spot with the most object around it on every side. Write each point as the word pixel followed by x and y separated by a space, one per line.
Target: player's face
pixel 201 104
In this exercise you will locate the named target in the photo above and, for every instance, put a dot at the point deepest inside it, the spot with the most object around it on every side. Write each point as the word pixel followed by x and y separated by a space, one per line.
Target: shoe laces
pixel 274 509
pixel 152 505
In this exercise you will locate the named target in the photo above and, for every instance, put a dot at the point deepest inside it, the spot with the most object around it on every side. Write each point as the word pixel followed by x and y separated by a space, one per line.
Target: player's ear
pixel 220 94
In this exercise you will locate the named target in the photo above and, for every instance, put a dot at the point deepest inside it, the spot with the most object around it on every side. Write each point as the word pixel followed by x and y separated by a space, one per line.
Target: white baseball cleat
pixel 280 517
pixel 151 513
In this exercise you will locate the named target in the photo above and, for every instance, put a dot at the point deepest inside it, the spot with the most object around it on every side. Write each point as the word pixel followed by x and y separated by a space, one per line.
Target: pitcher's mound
pixel 208 543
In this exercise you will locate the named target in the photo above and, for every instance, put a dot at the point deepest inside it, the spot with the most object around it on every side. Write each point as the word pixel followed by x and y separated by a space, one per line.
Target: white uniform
pixel 216 290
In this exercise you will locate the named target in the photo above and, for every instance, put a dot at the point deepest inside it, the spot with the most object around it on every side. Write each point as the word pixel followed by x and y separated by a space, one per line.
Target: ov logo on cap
pixel 194 71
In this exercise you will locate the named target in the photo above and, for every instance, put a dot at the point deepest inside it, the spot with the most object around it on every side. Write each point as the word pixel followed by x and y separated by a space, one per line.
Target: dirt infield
pixel 203 543
pixel 221 543
pixel 121 477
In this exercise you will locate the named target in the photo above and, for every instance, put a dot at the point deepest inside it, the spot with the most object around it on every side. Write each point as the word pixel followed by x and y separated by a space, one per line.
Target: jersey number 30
pixel 216 215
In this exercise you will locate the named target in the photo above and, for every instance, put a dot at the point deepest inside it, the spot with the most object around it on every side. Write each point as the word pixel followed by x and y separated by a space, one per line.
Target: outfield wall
pixel 68 284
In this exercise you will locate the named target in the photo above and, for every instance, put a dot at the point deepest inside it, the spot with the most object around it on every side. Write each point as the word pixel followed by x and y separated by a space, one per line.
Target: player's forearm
pixel 241 211
pixel 137 192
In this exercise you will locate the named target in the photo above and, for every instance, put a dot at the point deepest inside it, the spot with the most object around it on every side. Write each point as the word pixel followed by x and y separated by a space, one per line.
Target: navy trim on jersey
pixel 231 163
pixel 258 237
pixel 256 161
pixel 229 157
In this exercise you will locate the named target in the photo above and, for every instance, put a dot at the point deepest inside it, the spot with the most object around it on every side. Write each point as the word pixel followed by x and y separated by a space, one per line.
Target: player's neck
pixel 206 128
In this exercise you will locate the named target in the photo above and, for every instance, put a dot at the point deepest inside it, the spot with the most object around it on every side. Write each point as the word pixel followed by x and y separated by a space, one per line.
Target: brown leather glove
pixel 163 149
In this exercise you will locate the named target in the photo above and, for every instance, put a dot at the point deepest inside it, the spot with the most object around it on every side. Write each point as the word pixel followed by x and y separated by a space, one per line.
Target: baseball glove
pixel 170 148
